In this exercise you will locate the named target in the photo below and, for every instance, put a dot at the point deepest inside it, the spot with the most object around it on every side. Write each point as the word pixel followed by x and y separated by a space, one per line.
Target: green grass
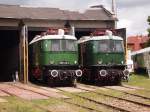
pixel 139 80
pixel 49 102
pixel 15 104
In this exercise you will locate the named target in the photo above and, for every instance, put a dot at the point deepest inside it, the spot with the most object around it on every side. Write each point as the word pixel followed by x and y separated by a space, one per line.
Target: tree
pixel 148 20
pixel 147 44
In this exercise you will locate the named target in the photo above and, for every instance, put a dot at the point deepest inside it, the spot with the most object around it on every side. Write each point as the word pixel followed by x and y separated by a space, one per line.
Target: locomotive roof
pixel 141 51
pixel 52 37
pixel 106 37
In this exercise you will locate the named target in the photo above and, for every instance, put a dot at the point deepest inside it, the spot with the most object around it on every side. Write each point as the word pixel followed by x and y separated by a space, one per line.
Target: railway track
pixel 36 105
pixel 84 107
pixel 98 102
pixel 139 104
pixel 132 94
pixel 42 107
pixel 118 98
pixel 46 109
pixel 140 96
pixel 130 87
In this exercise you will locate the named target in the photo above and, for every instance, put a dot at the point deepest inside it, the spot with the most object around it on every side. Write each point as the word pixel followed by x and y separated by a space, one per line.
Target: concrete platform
pixel 24 94
pixel 39 90
pixel 71 89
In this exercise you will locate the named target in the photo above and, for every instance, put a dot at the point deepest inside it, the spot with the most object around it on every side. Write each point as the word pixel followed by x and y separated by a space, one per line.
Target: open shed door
pixel 23 50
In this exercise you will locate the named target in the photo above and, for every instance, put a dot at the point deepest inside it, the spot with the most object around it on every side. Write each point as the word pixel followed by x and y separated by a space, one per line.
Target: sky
pixel 132 14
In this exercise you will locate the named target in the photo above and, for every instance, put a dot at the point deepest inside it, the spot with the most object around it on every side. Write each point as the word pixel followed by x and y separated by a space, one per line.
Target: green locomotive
pixel 54 59
pixel 102 59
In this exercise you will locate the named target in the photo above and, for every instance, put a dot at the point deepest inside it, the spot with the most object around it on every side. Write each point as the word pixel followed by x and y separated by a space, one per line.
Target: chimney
pixel 114 10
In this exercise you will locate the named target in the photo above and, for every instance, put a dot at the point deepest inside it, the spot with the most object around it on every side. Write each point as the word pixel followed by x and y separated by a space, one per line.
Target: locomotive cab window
pixel 101 46
pixel 108 46
pixel 56 45
pixel 118 46
pixel 71 45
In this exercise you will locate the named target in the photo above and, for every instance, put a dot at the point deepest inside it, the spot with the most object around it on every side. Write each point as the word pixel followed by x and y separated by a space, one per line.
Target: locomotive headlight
pixel 122 62
pixel 103 73
pixel 51 62
pixel 99 62
pixel 54 73
pixel 78 73
pixel 126 72
pixel 75 62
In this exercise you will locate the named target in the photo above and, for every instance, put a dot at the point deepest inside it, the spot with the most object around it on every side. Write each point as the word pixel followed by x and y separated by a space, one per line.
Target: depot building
pixel 19 25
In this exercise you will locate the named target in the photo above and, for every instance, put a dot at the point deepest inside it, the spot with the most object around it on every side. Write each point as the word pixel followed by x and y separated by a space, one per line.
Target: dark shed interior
pixel 9 56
